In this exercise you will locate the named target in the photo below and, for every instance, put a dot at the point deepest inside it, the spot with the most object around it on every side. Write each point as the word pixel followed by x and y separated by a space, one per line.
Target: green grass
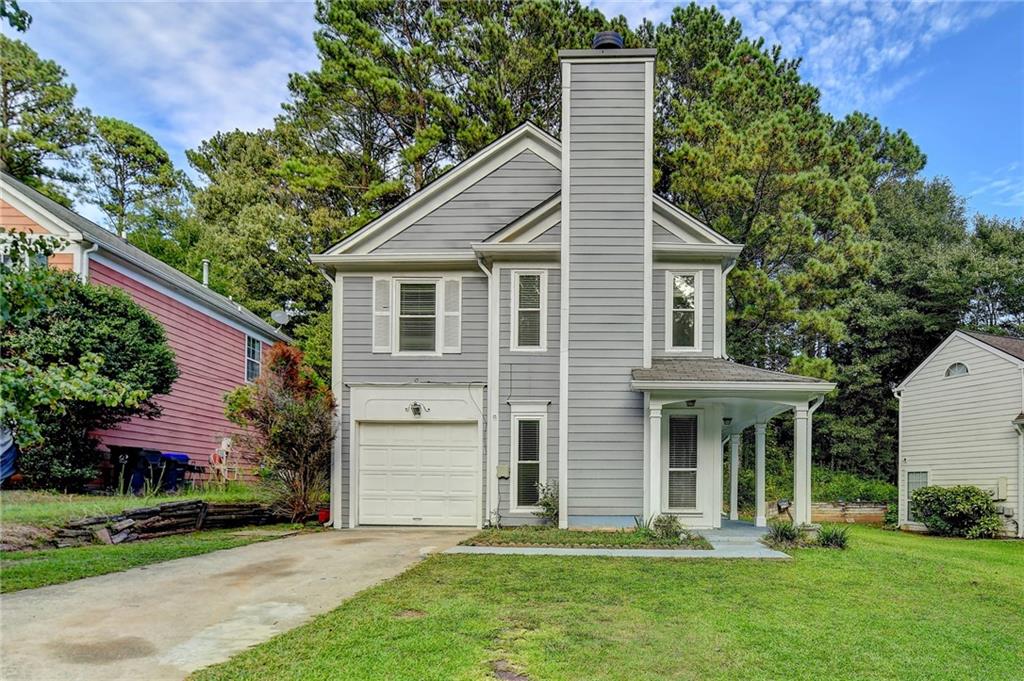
pixel 891 606
pixel 537 535
pixel 52 509
pixel 30 569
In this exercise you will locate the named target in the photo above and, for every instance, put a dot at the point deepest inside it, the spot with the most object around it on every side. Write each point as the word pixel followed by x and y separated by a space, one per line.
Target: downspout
pixel 491 504
pixel 84 268
pixel 725 275
pixel 1019 425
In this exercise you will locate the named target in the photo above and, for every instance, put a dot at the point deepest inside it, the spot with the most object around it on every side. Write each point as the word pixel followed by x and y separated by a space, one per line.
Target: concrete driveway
pixel 166 620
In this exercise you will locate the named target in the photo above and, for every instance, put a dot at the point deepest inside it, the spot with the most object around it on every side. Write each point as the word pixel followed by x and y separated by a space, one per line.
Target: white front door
pixel 418 473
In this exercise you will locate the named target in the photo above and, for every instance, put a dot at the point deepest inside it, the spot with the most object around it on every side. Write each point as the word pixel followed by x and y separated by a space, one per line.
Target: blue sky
pixel 950 73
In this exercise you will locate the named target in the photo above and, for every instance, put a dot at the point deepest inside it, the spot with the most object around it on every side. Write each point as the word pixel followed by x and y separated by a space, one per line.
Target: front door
pixel 681 487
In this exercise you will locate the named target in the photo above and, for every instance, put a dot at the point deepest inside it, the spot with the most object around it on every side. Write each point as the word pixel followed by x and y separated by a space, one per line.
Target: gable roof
pixel 164 273
pixel 465 174
pixel 1008 344
pixel 1007 347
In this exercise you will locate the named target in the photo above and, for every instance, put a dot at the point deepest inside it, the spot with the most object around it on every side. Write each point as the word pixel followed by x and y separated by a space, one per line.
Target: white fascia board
pixel 684 252
pixel 42 217
pixel 369 262
pixel 736 386
pixel 526 137
pixel 675 214
pixel 964 337
pixel 550 252
pixel 528 227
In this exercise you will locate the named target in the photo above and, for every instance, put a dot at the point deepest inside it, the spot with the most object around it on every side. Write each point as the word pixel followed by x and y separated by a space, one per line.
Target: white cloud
pixel 854 52
pixel 1003 187
pixel 182 71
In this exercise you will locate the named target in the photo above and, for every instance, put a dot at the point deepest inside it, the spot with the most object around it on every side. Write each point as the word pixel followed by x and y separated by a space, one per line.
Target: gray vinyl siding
pixel 360 365
pixel 552 235
pixel 663 236
pixel 484 208
pixel 526 376
pixel 707 314
pixel 959 429
pixel 606 299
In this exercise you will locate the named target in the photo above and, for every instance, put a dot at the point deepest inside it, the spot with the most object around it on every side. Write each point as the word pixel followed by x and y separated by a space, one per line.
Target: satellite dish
pixel 280 316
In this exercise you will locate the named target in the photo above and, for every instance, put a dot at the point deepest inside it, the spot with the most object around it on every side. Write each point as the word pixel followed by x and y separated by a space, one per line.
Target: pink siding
pixel 211 360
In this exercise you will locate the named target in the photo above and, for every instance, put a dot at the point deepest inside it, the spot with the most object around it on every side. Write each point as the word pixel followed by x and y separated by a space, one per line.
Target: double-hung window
pixel 529 456
pixel 682 462
pixel 417 316
pixel 253 358
pixel 529 319
pixel 682 316
pixel 915 481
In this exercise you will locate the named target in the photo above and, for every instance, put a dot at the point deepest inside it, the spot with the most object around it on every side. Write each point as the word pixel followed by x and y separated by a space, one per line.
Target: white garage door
pixel 418 473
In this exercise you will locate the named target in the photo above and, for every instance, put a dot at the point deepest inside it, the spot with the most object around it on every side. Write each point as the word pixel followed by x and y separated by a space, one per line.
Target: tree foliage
pixel 41 129
pixel 288 415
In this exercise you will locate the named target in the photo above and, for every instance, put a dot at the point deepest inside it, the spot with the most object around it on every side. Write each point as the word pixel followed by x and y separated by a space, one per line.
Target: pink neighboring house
pixel 218 344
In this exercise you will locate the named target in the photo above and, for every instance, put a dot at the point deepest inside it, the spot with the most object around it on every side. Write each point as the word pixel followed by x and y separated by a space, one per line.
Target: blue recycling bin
pixel 175 464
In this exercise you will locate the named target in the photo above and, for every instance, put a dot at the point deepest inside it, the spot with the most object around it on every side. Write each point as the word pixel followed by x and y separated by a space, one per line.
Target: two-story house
pixel 538 315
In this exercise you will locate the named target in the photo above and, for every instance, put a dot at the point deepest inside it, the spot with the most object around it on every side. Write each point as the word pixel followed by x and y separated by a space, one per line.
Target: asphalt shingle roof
pixel 714 370
pixel 1008 344
pixel 155 267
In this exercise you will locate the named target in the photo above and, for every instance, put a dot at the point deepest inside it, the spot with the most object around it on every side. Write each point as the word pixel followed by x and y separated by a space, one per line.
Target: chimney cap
pixel 607 40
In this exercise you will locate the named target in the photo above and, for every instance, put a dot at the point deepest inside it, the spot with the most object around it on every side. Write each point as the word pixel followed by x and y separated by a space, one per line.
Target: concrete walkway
pixel 735 539
pixel 165 620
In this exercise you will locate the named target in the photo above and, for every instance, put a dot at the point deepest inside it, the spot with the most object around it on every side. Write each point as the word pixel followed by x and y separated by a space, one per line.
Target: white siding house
pixel 961 423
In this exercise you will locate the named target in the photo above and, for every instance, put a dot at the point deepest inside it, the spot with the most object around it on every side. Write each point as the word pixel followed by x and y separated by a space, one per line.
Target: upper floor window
pixel 682 316
pixel 417 316
pixel 956 369
pixel 529 323
pixel 253 358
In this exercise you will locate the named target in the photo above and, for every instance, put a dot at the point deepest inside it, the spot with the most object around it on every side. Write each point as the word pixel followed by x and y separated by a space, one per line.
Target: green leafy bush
pixel 666 526
pixel 892 516
pixel 288 416
pixel 547 501
pixel 834 536
pixel 782 532
pixel 75 358
pixel 959 511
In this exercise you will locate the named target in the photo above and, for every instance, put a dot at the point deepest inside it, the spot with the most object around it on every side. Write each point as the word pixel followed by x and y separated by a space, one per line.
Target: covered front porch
pixel 695 407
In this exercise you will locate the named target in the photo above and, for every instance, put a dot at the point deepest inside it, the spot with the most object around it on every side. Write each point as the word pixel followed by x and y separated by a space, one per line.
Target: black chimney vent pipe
pixel 607 40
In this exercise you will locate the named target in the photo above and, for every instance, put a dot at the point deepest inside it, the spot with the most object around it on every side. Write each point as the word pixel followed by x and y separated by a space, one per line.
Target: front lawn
pixel 31 569
pixel 892 606
pixel 539 535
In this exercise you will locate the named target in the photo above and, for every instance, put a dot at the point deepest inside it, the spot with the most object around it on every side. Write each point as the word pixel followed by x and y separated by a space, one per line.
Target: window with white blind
pixel 915 481
pixel 417 316
pixel 682 313
pixel 253 358
pixel 682 462
pixel 529 459
pixel 529 307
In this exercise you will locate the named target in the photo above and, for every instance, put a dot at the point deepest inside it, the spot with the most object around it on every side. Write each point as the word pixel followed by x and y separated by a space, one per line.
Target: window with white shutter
pixel 529 456
pixel 529 310
pixel 453 315
pixel 381 315
pixel 915 481
pixel 682 462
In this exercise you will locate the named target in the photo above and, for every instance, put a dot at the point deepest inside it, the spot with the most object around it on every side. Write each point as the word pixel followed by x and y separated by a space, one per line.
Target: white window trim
pixel 906 492
pixel 945 372
pixel 259 361
pixel 396 313
pixel 666 463
pixel 526 412
pixel 514 316
pixel 698 300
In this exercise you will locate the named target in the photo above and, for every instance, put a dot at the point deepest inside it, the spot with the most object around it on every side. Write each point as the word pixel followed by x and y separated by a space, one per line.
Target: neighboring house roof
pixel 703 369
pixel 1008 344
pixel 155 267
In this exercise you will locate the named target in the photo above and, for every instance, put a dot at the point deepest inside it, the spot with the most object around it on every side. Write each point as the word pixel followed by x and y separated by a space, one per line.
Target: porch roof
pixel 717 371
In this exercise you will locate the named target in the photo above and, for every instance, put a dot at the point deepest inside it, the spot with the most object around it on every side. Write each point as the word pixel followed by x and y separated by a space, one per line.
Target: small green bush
pixel 834 536
pixel 547 501
pixel 959 511
pixel 892 517
pixel 783 532
pixel 666 526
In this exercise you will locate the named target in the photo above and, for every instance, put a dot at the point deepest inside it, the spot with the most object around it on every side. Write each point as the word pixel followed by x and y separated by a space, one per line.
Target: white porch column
pixel 734 476
pixel 759 433
pixel 655 461
pixel 801 466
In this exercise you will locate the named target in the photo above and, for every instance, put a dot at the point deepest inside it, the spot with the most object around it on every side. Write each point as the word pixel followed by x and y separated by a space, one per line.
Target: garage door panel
pixel 418 473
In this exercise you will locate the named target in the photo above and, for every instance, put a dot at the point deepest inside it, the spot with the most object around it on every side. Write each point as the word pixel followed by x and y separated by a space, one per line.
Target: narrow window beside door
pixel 253 358
pixel 528 469
pixel 915 480
pixel 682 462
